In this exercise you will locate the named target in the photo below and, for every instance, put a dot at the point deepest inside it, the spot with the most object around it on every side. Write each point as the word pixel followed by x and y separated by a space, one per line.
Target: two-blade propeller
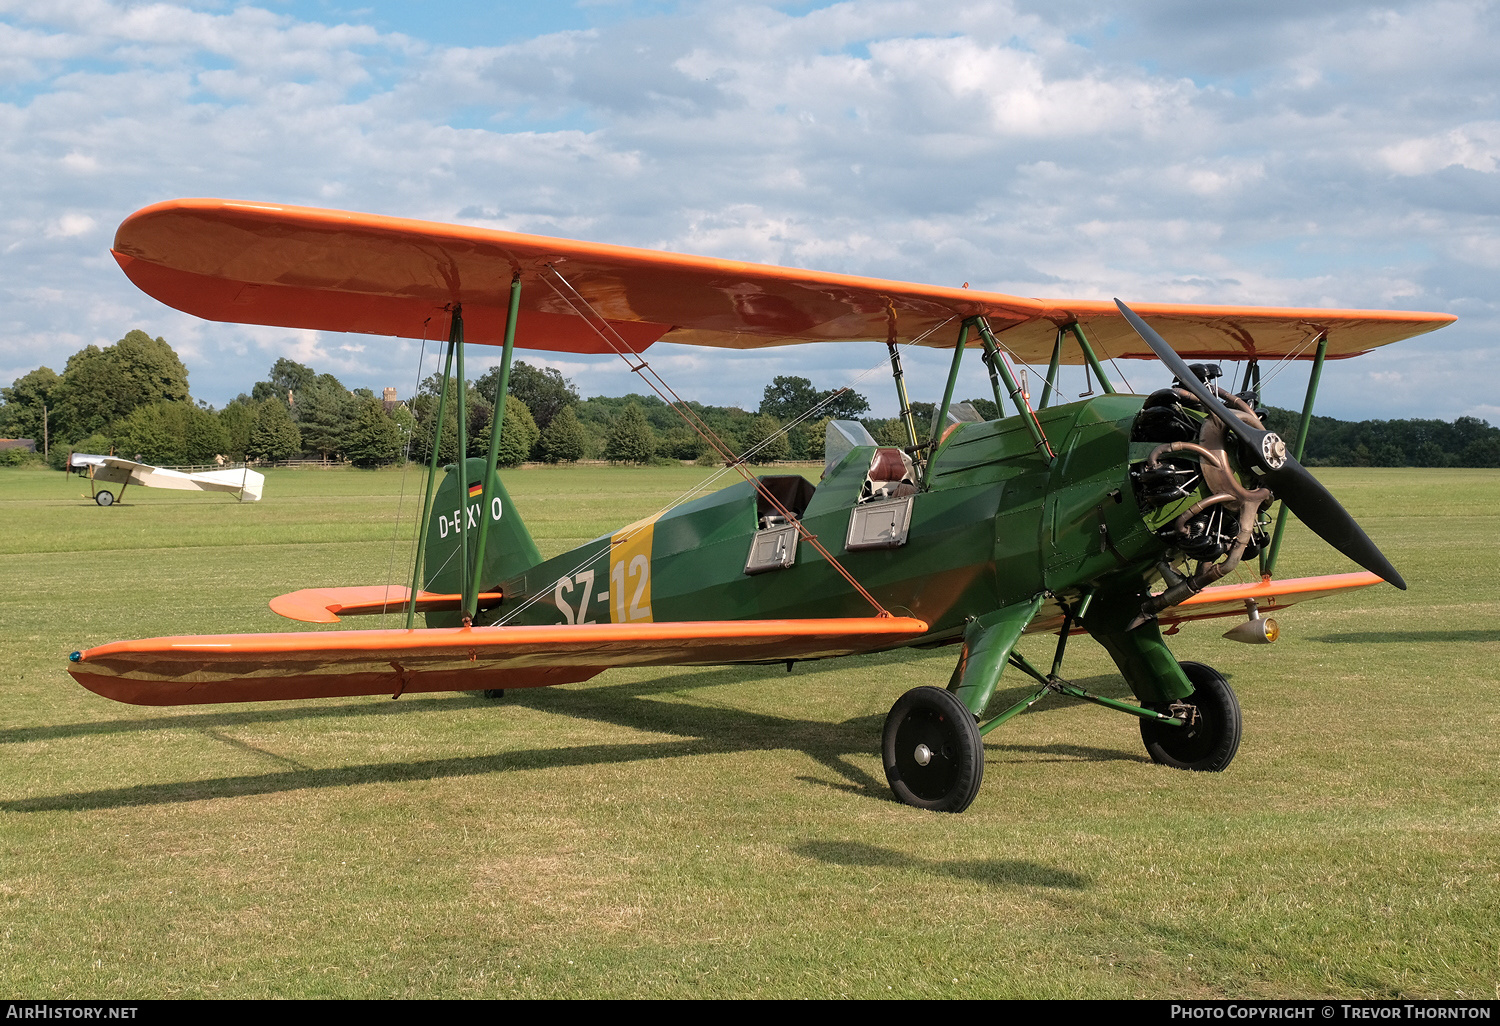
pixel 1288 480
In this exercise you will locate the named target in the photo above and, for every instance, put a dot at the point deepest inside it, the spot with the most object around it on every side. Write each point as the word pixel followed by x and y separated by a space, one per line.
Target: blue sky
pixel 1284 154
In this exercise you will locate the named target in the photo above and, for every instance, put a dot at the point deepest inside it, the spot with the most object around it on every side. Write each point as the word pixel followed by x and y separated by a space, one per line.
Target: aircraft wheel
pixel 934 757
pixel 104 498
pixel 1208 744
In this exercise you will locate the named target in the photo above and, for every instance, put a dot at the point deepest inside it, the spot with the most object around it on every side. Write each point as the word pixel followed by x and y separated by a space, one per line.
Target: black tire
pixel 493 694
pixel 932 724
pixel 1208 744
pixel 104 498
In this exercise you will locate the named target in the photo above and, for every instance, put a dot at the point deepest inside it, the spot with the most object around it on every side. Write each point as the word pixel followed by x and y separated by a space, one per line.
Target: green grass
pixel 728 832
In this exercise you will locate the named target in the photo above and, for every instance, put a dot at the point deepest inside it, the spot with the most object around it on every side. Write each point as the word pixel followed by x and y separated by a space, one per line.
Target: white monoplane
pixel 245 483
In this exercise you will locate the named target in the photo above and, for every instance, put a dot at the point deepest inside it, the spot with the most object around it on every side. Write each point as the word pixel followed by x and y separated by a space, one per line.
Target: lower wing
pixel 1229 600
pixel 270 667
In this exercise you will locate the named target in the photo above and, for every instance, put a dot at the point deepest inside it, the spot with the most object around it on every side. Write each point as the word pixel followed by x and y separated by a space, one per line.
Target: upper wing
pixel 266 667
pixel 258 263
pixel 113 469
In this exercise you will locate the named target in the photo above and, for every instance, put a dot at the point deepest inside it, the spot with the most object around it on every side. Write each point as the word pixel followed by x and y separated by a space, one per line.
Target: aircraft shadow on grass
pixel 704 730
pixel 1404 637
pixel 995 872
pixel 208 720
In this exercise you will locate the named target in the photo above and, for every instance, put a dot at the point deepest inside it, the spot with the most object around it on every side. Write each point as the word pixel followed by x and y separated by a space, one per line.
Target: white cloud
pixel 1474 146
pixel 69 225
pixel 1337 155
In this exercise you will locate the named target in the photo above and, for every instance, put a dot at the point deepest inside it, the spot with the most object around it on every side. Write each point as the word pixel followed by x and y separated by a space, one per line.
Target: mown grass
pixel 728 832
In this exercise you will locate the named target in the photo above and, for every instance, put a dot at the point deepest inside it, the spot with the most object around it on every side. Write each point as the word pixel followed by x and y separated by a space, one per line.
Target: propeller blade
pixel 1288 480
pixel 1178 366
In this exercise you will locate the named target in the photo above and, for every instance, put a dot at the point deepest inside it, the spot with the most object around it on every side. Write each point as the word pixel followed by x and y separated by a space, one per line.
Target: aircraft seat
pixel 891 476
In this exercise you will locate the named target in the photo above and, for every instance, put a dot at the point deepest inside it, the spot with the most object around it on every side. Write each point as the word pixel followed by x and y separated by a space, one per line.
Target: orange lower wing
pixel 1229 599
pixel 268 667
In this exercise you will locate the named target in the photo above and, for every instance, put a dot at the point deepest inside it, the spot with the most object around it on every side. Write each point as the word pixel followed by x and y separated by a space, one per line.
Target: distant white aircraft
pixel 113 470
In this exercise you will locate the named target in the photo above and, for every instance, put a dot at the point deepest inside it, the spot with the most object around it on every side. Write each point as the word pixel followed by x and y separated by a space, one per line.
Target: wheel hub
pixel 923 755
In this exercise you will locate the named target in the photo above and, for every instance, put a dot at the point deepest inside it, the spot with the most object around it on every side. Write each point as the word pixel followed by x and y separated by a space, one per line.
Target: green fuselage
pixel 995 523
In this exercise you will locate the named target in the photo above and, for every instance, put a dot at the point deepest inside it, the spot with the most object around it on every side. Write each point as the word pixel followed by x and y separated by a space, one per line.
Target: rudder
pixel 509 548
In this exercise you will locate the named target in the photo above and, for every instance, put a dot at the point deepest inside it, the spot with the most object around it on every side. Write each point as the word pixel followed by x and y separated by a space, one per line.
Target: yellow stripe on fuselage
pixel 630 572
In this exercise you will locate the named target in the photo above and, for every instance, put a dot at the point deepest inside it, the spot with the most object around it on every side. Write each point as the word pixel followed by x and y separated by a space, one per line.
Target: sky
pixel 1289 154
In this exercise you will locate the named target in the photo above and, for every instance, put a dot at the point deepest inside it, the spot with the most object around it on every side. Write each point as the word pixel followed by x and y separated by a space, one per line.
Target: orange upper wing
pixel 259 263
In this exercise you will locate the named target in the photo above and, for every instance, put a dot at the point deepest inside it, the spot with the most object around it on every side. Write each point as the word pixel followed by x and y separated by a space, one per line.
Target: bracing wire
pixel 612 338
pixel 700 487
pixel 1286 361
pixel 401 496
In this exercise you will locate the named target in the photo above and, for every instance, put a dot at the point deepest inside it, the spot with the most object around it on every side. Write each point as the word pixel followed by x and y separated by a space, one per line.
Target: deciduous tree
pixel 788 397
pixel 544 390
pixel 274 436
pixel 630 439
pixel 767 442
pixel 564 440
pixel 22 414
pixel 373 438
pixel 99 386
pixel 286 377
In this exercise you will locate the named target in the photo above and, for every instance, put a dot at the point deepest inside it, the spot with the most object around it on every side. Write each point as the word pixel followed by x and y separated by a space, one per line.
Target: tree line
pixel 132 399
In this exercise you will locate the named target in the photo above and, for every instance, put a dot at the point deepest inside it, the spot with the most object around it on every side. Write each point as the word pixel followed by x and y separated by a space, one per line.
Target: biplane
pixel 1114 515
pixel 115 471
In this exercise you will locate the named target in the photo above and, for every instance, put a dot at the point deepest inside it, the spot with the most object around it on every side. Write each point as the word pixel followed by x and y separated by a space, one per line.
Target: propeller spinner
pixel 1287 479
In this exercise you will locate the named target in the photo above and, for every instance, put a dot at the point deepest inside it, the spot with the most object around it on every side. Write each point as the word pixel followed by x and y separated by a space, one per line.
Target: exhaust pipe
pixel 1257 630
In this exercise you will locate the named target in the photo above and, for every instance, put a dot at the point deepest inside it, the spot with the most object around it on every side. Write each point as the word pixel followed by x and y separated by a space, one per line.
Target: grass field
pixel 727 832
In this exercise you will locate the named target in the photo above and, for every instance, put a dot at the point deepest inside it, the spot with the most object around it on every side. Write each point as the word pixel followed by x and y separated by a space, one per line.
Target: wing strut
pixel 497 425
pixel 1091 360
pixel 904 400
pixel 1051 384
pixel 996 360
pixel 1268 559
pixel 940 411
pixel 455 334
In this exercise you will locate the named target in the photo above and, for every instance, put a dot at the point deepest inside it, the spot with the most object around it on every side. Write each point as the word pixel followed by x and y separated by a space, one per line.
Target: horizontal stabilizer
pixel 271 667
pixel 326 605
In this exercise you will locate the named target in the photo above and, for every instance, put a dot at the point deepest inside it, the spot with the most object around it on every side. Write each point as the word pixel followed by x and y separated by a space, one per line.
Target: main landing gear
pixel 933 746
pixel 934 758
pixel 1211 734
